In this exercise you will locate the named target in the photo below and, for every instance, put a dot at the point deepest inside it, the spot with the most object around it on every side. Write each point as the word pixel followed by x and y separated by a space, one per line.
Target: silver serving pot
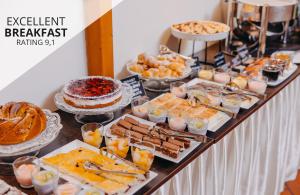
pixel 278 10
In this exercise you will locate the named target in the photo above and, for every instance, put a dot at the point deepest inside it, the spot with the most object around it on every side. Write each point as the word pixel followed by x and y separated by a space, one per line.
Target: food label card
pixel 243 52
pixel 196 65
pixel 236 61
pixel 136 84
pixel 219 59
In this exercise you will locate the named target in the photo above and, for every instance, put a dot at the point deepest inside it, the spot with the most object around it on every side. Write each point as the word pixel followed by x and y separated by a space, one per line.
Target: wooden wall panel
pixel 99 46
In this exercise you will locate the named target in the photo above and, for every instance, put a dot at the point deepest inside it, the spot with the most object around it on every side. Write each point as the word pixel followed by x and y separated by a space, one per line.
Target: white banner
pixel 31 30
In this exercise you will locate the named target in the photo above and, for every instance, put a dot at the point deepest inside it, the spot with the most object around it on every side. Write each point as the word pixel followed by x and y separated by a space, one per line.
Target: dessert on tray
pixel 165 141
pixel 143 156
pixel 175 105
pixel 240 80
pixel 20 122
pixel 92 92
pixel 202 27
pixel 104 172
pixel 166 65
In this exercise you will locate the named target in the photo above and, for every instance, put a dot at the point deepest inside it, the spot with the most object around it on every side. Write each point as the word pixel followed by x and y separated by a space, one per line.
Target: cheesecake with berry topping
pixel 92 92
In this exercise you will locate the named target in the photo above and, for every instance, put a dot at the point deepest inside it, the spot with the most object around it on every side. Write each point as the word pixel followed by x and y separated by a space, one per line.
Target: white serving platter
pixel 79 144
pixel 181 155
pixel 281 78
pixel 245 104
pixel 187 72
pixel 200 37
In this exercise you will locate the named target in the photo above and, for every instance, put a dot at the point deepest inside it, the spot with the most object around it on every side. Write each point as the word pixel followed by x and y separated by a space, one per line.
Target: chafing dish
pixel 262 12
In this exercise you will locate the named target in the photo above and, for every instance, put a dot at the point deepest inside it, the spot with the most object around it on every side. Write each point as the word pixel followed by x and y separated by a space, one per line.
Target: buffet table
pixel 252 154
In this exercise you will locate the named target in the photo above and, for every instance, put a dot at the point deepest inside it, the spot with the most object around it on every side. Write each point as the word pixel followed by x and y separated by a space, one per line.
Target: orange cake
pixel 20 122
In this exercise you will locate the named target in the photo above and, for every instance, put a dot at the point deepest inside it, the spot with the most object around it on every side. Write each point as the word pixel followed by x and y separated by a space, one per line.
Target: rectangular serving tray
pixel 77 144
pixel 181 156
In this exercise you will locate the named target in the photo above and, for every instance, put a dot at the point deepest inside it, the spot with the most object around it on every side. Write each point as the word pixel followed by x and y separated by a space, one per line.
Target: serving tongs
pixel 208 86
pixel 169 133
pixel 90 166
pixel 163 49
pixel 104 151
pixel 218 108
pixel 228 89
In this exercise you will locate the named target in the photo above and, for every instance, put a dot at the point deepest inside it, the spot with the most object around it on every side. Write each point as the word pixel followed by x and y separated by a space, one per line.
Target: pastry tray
pixel 187 72
pixel 77 144
pixel 245 104
pixel 200 37
pixel 181 155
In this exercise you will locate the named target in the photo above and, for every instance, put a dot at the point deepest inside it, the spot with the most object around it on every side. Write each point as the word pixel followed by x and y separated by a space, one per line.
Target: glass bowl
pixel 67 189
pixel 206 72
pixel 176 122
pixel 138 107
pixel 45 182
pixel 143 155
pixel 117 145
pixel 221 76
pixel 92 134
pixel 258 84
pixel 214 96
pixel 179 89
pixel 157 115
pixel 240 80
pixel 23 168
pixel 198 126
pixel 232 103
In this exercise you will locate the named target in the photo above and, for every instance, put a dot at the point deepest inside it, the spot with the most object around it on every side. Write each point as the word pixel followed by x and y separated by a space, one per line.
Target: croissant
pixel 20 122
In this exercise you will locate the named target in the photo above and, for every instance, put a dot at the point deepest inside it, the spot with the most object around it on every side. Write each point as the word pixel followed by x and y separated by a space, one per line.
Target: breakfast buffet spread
pixel 117 158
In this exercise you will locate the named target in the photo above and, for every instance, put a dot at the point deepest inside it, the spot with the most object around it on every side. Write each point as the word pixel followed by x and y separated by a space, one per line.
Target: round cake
pixel 20 122
pixel 92 92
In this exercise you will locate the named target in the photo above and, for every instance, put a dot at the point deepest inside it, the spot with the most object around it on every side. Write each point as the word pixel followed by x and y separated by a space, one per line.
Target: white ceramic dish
pixel 77 144
pixel 245 104
pixel 186 73
pixel 181 156
pixel 200 37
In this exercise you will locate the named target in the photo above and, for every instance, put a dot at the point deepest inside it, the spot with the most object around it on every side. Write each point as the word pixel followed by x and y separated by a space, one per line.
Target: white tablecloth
pixel 257 157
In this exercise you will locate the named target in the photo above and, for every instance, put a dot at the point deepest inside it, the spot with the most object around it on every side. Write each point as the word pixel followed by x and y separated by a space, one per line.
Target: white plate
pixel 181 155
pixel 77 144
pixel 281 78
pixel 52 130
pixel 200 37
pixel 186 73
pixel 245 104
pixel 127 94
